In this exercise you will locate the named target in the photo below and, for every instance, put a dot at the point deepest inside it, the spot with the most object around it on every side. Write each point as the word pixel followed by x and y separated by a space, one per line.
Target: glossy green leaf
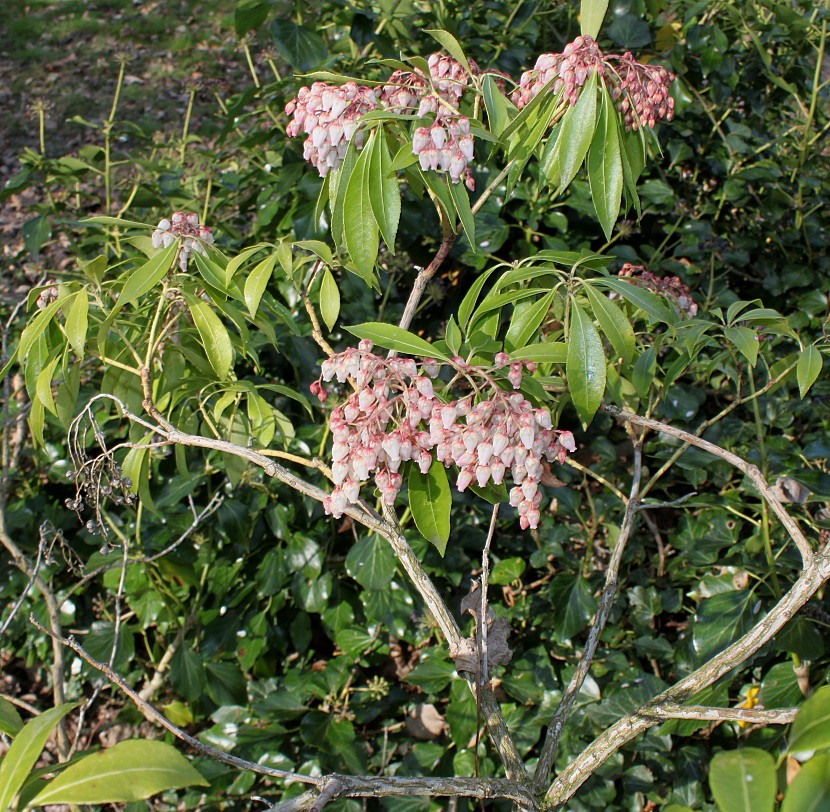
pixel 43 386
pixel 585 365
pixel 301 46
pixel 235 263
pixel 329 299
pixel 10 721
pixel 745 340
pixel 430 501
pixel 36 327
pixel 811 728
pixel 144 278
pixel 461 201
pixel 116 221
pixel 548 352
pixel 591 14
pixel 650 303
pixel 359 227
pixel 25 750
pixel 316 247
pixel 465 309
pixel 605 168
pixel 394 338
pixel 384 194
pixel 371 562
pixel 495 104
pixel 810 789
pixel 642 376
pixel 721 620
pixel 129 771
pixel 77 322
pixel 743 780
pixel 450 44
pixel 214 335
pixel 257 282
pixel 575 136
pixel 808 369
pixel 613 323
pixel 573 602
pixel 526 320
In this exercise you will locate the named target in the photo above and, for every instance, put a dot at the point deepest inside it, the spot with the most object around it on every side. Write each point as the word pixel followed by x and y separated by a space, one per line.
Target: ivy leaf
pixel 301 46
pixel 808 369
pixel 214 335
pixel 394 338
pixel 743 780
pixel 585 365
pixel 430 501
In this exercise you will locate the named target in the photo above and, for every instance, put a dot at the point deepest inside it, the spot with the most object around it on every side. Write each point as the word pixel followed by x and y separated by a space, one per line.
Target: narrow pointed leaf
pixel 394 338
pixel 329 299
pixel 384 195
pixel 129 771
pixel 10 721
pixel 359 227
pixel 450 43
pixel 808 369
pixel 495 104
pixel 591 14
pixel 25 750
pixel 144 278
pixel 650 303
pixel 526 320
pixel 745 340
pixel 585 365
pixel 430 501
pixel 575 136
pixel 605 169
pixel 214 335
pixel 256 283
pixel 461 201
pixel 616 327
pixel 548 352
pixel 77 322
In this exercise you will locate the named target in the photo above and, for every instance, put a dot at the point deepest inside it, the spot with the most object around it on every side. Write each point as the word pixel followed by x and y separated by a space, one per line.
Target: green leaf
pixel 495 104
pixel 811 728
pixel 256 283
pixel 394 338
pixel 810 789
pixel 612 321
pixel 650 303
pixel 25 750
pixel 526 320
pixel 745 340
pixel 116 221
pixel 10 721
pixel 249 15
pixel 301 46
pixel 329 299
pixel 743 780
pixel 430 501
pixel 129 771
pixel 316 247
pixel 575 136
pixel 36 327
pixel 43 386
pixel 77 322
pixel 35 233
pixel 461 201
pixel 187 673
pixel 371 562
pixel 148 275
pixel 591 14
pixel 549 352
pixel 359 226
pixel 720 621
pixel 384 195
pixel 808 369
pixel 605 168
pixel 450 44
pixel 585 365
pixel 642 376
pixel 465 309
pixel 573 604
pixel 214 335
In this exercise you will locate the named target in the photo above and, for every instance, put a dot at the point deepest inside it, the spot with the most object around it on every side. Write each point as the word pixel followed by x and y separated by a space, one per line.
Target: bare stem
pixel 424 275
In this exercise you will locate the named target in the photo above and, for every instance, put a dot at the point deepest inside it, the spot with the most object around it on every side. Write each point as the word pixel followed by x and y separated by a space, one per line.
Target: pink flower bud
pixel 465 477
pixel 482 475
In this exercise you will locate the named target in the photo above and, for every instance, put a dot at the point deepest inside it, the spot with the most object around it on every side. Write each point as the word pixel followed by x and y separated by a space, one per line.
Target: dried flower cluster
pixel 328 115
pixel 640 92
pixel 184 226
pixel 48 295
pixel 394 416
pixel 669 287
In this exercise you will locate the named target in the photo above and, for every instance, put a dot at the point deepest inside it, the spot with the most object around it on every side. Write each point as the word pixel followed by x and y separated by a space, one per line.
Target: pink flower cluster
pixel 640 92
pixel 329 115
pixel 642 95
pixel 669 287
pixel 569 70
pixel 184 226
pixel 448 147
pixel 394 416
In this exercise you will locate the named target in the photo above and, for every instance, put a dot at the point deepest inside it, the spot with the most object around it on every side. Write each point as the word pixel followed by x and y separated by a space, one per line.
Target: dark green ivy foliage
pixel 305 647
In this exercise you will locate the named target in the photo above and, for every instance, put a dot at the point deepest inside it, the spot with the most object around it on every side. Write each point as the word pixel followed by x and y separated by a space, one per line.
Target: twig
pixel 673 710
pixel 316 331
pixel 557 723
pixel 598 477
pixel 742 465
pixel 150 712
pixel 424 275
pixel 675 503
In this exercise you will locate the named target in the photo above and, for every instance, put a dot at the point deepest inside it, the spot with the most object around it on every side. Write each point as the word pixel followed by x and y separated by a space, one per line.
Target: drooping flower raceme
pixel 669 287
pixel 185 226
pixel 328 115
pixel 394 416
pixel 640 92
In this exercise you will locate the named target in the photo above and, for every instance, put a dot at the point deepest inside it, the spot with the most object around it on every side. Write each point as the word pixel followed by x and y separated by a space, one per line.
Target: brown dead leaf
pixel 793 769
pixel 425 722
pixel 467 655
